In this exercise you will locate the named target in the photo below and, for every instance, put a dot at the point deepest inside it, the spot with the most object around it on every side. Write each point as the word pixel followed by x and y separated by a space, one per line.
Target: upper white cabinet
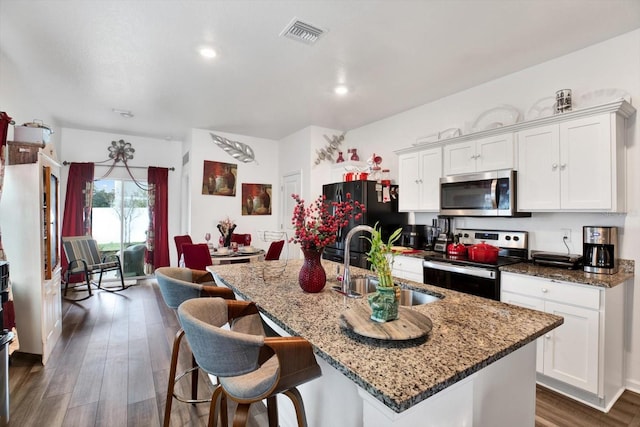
pixel 573 165
pixel 490 153
pixel 419 180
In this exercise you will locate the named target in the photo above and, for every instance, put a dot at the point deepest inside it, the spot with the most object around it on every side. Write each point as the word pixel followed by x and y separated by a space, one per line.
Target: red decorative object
pixel 483 252
pixel 312 277
pixel 317 225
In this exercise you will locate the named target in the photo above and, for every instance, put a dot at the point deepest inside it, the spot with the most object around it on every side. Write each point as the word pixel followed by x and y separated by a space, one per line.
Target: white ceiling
pixel 84 58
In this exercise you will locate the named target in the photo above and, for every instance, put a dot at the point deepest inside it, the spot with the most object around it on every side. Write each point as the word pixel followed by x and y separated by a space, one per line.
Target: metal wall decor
pixel 326 153
pixel 121 151
pixel 235 149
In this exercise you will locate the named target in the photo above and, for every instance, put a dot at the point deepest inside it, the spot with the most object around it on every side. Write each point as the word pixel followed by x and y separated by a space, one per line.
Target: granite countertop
pixel 468 332
pixel 625 272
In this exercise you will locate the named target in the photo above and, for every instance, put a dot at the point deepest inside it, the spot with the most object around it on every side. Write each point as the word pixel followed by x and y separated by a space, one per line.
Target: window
pixel 120 219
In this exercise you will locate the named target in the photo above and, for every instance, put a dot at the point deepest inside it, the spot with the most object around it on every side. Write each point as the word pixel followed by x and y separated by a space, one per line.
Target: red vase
pixel 312 277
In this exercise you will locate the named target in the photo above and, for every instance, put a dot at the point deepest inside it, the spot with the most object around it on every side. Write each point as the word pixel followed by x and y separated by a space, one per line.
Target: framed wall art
pixel 219 179
pixel 256 199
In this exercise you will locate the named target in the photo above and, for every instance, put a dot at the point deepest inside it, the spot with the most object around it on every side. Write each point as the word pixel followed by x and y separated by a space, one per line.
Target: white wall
pixel 89 146
pixel 207 210
pixel 612 64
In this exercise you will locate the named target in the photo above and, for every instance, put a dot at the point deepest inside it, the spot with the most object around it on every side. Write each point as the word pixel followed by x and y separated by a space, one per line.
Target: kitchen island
pixel 476 366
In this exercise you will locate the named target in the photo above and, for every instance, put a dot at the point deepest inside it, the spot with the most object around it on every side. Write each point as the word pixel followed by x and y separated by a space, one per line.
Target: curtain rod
pixel 119 166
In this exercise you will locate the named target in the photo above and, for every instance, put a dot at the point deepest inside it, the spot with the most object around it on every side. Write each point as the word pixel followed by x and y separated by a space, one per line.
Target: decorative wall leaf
pixel 235 149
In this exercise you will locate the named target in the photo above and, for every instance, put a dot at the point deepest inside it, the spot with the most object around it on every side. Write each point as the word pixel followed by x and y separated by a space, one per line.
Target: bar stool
pixel 250 367
pixel 176 286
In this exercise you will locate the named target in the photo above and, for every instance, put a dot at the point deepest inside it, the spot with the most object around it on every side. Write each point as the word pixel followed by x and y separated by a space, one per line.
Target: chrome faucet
pixel 346 279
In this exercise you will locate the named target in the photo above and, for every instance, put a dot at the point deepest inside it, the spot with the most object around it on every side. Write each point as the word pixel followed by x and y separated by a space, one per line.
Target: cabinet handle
pixel 548 336
pixel 554 166
pixel 545 290
pixel 420 181
pixel 563 166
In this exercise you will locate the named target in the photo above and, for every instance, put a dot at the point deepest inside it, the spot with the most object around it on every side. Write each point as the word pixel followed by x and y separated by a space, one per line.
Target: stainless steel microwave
pixel 481 194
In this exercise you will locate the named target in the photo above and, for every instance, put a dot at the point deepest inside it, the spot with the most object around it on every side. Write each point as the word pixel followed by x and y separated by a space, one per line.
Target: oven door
pixel 470 280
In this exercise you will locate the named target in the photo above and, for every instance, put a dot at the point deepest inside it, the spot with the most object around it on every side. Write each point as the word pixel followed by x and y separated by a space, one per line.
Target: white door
pixel 409 181
pixel 460 158
pixel 291 184
pixel 585 163
pixel 571 350
pixel 495 152
pixel 430 173
pixel 538 168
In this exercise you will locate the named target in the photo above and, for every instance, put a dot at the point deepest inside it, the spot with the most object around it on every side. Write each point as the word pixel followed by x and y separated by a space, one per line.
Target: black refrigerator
pixel 385 214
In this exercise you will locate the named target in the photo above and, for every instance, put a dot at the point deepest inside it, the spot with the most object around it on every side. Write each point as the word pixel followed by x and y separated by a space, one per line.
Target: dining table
pixel 231 257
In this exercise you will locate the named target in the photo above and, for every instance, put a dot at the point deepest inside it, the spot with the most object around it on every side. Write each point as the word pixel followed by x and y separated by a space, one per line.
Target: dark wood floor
pixel 110 368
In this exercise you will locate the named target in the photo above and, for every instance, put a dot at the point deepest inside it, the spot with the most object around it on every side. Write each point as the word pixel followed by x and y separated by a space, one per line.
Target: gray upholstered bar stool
pixel 176 286
pixel 250 367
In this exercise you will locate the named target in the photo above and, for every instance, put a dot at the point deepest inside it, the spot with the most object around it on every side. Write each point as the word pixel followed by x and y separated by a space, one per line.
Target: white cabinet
pixel 575 165
pixel 419 180
pixel 485 154
pixel 577 357
pixel 29 213
pixel 409 268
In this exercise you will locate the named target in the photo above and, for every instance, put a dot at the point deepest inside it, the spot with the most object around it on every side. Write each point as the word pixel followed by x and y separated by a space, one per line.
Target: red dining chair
pixel 241 239
pixel 181 240
pixel 275 249
pixel 196 256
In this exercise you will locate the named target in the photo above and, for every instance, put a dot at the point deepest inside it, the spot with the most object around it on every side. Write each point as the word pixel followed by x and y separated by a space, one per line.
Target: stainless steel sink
pixel 363 285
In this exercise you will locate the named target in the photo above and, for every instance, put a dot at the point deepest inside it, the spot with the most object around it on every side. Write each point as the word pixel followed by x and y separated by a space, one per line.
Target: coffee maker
pixel 599 249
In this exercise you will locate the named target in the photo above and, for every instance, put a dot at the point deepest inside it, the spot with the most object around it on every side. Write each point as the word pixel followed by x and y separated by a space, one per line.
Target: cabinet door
pixel 571 350
pixel 51 313
pixel 533 304
pixel 409 182
pixel 459 158
pixel 494 153
pixel 585 163
pixel 538 168
pixel 430 173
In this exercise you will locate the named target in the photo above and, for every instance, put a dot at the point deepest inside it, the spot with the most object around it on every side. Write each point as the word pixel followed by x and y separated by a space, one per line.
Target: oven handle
pixel 470 271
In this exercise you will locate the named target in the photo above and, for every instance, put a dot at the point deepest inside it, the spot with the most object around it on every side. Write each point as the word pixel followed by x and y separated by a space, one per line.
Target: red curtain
pixel 77 207
pixel 157 235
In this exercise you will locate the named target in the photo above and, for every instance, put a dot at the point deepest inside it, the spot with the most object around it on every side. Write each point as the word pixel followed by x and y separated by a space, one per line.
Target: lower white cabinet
pixel 583 357
pixel 409 268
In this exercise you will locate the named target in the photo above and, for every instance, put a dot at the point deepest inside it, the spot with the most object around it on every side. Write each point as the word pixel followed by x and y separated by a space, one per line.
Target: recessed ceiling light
pixel 124 113
pixel 207 52
pixel 341 90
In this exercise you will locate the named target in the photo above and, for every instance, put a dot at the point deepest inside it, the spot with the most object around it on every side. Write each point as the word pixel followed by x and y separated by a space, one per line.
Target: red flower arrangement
pixel 317 225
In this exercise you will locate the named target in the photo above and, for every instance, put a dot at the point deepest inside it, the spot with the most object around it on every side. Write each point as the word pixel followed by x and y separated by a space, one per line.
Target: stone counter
pixel 625 272
pixel 469 333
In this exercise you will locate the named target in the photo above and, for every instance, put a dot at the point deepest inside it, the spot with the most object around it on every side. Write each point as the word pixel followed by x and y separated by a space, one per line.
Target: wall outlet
pixel 566 234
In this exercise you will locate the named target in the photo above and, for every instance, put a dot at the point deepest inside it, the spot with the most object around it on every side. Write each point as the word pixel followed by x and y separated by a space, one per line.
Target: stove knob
pixel 507 238
pixel 466 235
pixel 516 238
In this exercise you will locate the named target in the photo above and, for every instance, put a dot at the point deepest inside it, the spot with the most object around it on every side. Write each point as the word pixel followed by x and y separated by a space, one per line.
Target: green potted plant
pixel 385 301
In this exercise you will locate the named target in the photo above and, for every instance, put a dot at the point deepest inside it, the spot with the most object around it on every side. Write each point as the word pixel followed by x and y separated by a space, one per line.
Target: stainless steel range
pixel 482 279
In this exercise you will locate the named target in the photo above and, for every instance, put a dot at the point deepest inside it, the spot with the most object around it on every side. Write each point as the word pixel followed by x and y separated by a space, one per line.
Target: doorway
pixel 120 219
pixel 291 184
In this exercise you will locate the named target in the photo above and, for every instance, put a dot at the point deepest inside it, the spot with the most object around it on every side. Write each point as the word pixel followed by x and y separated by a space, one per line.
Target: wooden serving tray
pixel 410 324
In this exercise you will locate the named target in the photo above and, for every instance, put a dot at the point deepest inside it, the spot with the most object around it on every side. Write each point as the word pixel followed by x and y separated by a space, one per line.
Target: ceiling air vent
pixel 302 32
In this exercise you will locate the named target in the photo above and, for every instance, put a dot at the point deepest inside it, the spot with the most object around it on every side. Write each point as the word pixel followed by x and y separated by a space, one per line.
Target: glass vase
pixel 312 277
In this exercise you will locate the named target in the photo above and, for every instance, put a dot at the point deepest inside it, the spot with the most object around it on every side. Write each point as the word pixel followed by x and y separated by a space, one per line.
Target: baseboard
pixel 633 385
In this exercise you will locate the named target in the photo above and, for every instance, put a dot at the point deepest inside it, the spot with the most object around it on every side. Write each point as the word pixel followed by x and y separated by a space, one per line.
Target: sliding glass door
pixel 120 219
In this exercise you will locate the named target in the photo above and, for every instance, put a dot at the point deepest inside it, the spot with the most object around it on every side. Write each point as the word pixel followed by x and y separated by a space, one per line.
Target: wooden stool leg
pixel 272 411
pixel 242 415
pixel 213 408
pixel 194 378
pixel 296 399
pixel 172 376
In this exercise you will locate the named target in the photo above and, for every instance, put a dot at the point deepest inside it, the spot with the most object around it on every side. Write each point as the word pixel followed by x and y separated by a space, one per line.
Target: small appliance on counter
pixel 599 249
pixel 554 259
pixel 442 227
pixel 413 236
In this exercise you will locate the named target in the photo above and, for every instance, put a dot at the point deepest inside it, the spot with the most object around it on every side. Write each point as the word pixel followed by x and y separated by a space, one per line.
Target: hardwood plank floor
pixel 111 365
